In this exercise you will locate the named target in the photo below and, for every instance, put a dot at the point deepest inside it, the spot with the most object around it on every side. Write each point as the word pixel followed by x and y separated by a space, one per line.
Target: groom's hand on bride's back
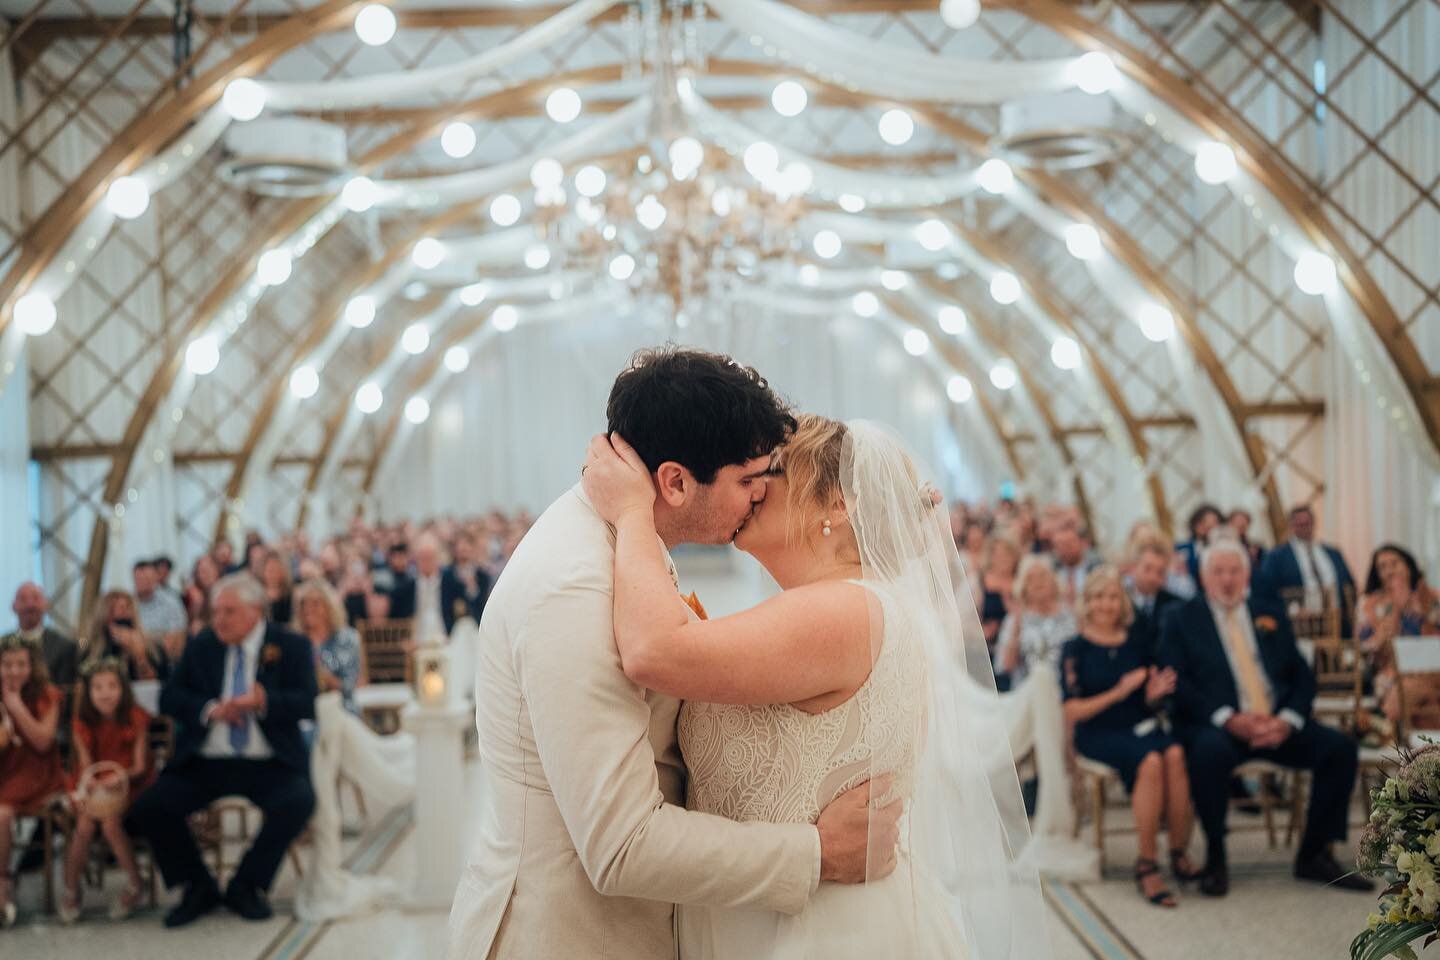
pixel 858 843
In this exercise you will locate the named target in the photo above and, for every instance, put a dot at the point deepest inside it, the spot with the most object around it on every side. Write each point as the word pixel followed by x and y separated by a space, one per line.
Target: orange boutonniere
pixel 1266 624
pixel 693 602
pixel 270 653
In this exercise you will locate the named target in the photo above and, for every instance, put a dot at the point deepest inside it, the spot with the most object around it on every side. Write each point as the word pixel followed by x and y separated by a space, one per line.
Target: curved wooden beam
pixel 1265 164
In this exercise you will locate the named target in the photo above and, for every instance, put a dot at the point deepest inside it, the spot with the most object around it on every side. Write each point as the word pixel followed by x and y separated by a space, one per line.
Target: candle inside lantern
pixel 432 685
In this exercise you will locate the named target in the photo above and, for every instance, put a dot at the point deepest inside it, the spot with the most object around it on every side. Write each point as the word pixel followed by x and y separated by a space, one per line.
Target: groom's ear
pixel 674 483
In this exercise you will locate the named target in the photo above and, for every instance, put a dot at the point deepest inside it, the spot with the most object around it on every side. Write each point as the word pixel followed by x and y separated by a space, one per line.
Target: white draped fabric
pixel 890 70
pixel 383 768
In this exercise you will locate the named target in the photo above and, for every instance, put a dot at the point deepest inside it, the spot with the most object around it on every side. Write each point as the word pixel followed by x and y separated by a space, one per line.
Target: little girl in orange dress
pixel 30 771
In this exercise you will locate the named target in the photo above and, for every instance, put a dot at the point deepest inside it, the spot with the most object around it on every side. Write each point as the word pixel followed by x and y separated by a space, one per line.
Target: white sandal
pixel 69 910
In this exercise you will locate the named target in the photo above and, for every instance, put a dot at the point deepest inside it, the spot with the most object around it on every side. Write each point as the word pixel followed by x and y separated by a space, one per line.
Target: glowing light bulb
pixel 916 342
pixel 563 105
pixel 375 24
pixel 457 139
pixel 359 194
pixel 505 210
pixel 958 389
pixel 202 356
pixel 547 174
pixel 473 294
pixel 810 275
pixel 304 382
pixel 1215 162
pixel 789 98
pixel 505 318
pixel 128 197
pixel 686 155
pixel 1004 287
pixel 893 280
pixel 360 311
pixel 827 244
pixel 622 266
pixel 1156 322
pixel 933 235
pixel 953 320
pixel 1095 73
pixel 1315 273
pixel 428 253
pixel 1083 242
pixel 1003 376
pixel 415 339
pixel 243 99
pixel 369 397
pixel 896 127
pixel 417 410
pixel 959 14
pixel 1065 353
pixel 865 303
pixel 35 314
pixel 457 358
pixel 995 176
pixel 590 181
pixel 851 202
pixel 650 212
pixel 762 160
pixel 273 268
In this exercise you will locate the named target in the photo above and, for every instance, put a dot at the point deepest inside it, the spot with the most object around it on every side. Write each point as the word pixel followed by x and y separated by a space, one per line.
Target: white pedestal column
pixel 439 800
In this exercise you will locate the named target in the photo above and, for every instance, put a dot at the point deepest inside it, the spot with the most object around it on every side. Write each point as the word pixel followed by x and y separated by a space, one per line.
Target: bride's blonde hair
pixel 811 462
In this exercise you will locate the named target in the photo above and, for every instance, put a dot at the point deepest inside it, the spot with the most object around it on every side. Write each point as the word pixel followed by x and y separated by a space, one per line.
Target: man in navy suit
pixel 1303 564
pixel 237 697
pixel 1149 570
pixel 1244 692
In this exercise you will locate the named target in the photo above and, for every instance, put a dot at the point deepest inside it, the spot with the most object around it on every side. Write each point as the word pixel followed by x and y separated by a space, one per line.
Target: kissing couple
pixel 813 778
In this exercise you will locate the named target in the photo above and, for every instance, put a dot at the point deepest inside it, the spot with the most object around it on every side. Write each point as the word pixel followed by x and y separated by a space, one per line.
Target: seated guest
pixel 109 727
pixel 1304 567
pixel 1203 519
pixel 224 556
pixel 164 566
pixel 997 581
pixel 30 771
pixel 1239 521
pixel 115 631
pixel 424 596
pixel 1074 558
pixel 1112 690
pixel 275 575
pixel 1399 603
pixel 161 613
pixel 197 592
pixel 466 585
pixel 320 619
pixel 1149 567
pixel 1244 692
pixel 237 697
pixel 60 653
pixel 1038 623
pixel 396 582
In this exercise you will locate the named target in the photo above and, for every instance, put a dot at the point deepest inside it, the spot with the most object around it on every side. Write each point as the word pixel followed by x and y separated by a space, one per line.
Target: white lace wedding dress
pixel 778 764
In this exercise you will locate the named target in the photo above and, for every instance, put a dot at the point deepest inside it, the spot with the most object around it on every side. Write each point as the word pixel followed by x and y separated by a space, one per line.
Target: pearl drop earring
pixel 825 529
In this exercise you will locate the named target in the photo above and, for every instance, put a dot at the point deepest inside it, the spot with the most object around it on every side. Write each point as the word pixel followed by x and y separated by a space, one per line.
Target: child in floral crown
pixel 110 728
pixel 29 756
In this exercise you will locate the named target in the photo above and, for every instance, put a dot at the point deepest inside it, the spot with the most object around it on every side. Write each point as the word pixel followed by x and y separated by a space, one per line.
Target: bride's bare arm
pixel 801 644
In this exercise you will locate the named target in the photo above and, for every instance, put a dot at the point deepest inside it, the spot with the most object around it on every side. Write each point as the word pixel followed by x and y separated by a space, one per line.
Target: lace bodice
pixel 777 764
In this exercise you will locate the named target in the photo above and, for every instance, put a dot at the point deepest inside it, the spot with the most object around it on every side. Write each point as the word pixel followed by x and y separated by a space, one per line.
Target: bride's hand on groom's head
pixel 859 839
pixel 616 479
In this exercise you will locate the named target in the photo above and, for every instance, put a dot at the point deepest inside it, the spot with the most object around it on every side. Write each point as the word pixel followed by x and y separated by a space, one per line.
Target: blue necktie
pixel 239 685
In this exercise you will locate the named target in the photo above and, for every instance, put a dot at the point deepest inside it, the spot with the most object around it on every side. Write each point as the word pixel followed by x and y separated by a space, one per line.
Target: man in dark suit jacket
pixel 237 697
pixel 401 585
pixel 1149 567
pixel 465 585
pixel 1303 564
pixel 1244 692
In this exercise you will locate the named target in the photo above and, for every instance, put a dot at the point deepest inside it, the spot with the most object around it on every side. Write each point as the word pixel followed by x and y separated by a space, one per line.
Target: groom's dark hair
pixel 701 410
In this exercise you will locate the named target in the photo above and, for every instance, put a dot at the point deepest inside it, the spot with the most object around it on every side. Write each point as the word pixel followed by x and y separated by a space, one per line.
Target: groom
pixel 584 844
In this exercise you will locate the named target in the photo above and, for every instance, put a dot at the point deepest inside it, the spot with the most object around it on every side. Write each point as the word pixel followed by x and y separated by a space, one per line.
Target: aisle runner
pixel 1084 919
pixel 297 939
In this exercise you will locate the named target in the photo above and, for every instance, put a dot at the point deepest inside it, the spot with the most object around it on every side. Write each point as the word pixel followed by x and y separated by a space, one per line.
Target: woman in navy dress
pixel 1113 692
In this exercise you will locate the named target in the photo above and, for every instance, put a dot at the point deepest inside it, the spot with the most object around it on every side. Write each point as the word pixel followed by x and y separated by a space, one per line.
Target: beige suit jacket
pixel 585 846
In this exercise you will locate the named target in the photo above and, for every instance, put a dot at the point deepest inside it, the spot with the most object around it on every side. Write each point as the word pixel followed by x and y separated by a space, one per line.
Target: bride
pixel 870 664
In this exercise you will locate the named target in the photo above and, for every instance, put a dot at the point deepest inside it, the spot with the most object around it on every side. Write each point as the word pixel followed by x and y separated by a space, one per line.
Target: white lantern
pixel 432 672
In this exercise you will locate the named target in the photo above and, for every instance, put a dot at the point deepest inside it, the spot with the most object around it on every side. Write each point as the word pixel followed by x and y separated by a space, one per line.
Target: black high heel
pixel 1149 868
pixel 1182 876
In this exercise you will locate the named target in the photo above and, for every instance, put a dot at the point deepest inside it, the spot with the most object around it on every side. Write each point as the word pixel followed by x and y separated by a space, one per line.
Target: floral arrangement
pixel 1401 847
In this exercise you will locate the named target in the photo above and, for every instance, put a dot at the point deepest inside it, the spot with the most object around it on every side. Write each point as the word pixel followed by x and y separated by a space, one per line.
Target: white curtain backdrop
pixel 16 534
pixel 511 431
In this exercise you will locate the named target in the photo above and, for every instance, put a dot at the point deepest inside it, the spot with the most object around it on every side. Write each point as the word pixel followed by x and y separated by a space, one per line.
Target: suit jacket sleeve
pixel 188 689
pixel 1194 702
pixel 291 697
pixel 591 726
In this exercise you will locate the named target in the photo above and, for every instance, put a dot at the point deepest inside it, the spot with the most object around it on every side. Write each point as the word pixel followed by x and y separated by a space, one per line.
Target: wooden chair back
pixel 385 647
